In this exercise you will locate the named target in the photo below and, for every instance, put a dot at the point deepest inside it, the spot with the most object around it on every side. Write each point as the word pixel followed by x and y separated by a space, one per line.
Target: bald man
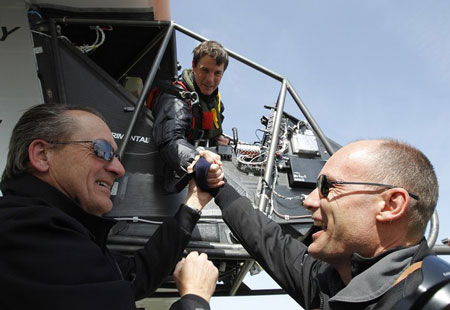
pixel 371 207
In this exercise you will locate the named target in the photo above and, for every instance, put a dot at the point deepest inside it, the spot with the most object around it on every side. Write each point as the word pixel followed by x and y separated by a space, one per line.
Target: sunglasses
pixel 324 185
pixel 102 149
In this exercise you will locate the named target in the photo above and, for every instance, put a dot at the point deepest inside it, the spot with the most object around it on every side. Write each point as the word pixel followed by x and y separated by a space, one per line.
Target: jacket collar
pixel 361 263
pixel 374 276
pixel 188 77
pixel 27 185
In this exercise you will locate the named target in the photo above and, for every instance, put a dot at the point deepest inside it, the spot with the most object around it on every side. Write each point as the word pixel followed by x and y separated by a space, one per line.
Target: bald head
pixel 356 160
pixel 391 162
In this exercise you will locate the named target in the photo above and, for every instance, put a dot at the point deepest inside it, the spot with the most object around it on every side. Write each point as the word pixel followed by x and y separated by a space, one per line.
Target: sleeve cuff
pixel 187 217
pixel 197 301
pixel 226 195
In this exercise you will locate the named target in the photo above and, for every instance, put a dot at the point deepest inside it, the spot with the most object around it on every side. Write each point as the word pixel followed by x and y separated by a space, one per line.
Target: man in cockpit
pixel 183 124
pixel 371 206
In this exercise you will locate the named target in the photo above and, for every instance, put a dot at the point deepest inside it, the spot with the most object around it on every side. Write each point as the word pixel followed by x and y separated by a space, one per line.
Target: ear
pixel 394 205
pixel 193 64
pixel 39 155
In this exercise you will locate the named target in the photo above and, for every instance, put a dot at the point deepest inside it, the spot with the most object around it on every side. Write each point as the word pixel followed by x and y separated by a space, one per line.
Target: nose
pixel 210 77
pixel 312 201
pixel 116 167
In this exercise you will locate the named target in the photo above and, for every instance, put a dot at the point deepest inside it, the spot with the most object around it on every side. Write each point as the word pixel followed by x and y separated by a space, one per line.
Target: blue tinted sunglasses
pixel 102 149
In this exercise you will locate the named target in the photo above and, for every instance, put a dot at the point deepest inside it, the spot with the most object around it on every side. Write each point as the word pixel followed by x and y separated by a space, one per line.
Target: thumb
pixel 179 266
pixel 214 167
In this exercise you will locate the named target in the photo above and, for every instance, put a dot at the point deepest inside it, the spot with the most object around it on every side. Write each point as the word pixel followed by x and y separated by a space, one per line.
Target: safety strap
pixel 408 271
pixel 176 88
pixel 215 113
pixel 405 273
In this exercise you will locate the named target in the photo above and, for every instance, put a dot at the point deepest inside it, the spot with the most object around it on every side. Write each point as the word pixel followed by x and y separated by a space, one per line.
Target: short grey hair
pixel 401 164
pixel 48 122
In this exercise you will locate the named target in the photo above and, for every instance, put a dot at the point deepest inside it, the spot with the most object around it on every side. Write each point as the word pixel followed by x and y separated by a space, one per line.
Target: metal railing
pixel 286 86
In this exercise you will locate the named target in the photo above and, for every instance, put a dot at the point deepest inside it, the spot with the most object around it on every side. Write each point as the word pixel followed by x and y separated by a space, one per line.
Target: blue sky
pixel 364 69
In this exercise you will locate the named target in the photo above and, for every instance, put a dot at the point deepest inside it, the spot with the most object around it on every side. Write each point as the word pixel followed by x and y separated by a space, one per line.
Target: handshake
pixel 195 274
pixel 205 177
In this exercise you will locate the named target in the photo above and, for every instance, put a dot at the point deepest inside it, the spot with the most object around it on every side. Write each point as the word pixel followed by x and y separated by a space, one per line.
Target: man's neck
pixel 345 271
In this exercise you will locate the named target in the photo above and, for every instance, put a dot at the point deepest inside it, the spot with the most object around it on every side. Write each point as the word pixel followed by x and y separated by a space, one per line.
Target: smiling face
pixel 347 217
pixel 77 172
pixel 207 74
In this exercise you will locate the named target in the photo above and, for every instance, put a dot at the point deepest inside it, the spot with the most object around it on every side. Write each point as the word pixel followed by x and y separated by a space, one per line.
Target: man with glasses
pixel 61 166
pixel 370 210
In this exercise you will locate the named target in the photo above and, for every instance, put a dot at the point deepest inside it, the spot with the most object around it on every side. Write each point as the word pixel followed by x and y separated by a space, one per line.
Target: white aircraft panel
pixel 19 85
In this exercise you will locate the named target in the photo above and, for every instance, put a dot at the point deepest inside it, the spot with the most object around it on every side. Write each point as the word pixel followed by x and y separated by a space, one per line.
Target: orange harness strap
pixel 408 271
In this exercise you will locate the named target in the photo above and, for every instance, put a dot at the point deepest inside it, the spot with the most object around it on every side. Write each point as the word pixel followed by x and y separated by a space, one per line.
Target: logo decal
pixel 6 33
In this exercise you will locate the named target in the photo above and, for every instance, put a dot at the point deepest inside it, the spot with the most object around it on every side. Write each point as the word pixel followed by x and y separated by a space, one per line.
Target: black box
pixel 303 172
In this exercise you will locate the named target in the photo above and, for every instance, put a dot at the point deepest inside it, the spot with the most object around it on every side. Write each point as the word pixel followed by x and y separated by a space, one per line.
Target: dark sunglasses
pixel 102 149
pixel 324 185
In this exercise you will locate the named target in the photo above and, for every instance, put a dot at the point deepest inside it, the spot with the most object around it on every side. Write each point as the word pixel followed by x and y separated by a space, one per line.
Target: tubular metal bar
pixel 144 51
pixel 441 249
pixel 257 292
pixel 173 46
pixel 57 62
pixel 232 54
pixel 311 119
pixel 220 291
pixel 113 22
pixel 148 83
pixel 273 146
pixel 134 240
pixel 434 229
pixel 223 254
pixel 240 277
pixel 220 254
pixel 214 245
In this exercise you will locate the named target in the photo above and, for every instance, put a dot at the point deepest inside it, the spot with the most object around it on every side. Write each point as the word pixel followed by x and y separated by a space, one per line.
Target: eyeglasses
pixel 102 149
pixel 324 185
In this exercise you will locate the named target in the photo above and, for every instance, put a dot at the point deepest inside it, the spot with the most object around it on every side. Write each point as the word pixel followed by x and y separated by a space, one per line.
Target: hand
pixel 222 140
pixel 196 275
pixel 196 198
pixel 212 157
pixel 215 176
pixel 215 173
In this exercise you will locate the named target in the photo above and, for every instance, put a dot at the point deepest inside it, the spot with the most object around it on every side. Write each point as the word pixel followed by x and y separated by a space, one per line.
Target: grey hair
pixel 48 122
pixel 403 165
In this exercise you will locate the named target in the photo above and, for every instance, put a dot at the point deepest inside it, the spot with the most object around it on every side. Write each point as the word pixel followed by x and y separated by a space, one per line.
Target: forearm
pixel 279 254
pixel 178 154
pixel 157 259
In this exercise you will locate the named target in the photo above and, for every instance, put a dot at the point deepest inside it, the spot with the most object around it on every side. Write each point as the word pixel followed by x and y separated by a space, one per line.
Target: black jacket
pixel 54 255
pixel 172 130
pixel 311 282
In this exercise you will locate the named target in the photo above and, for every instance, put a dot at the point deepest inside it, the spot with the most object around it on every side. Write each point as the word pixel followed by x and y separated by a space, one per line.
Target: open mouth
pixel 104 184
pixel 208 87
pixel 320 225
